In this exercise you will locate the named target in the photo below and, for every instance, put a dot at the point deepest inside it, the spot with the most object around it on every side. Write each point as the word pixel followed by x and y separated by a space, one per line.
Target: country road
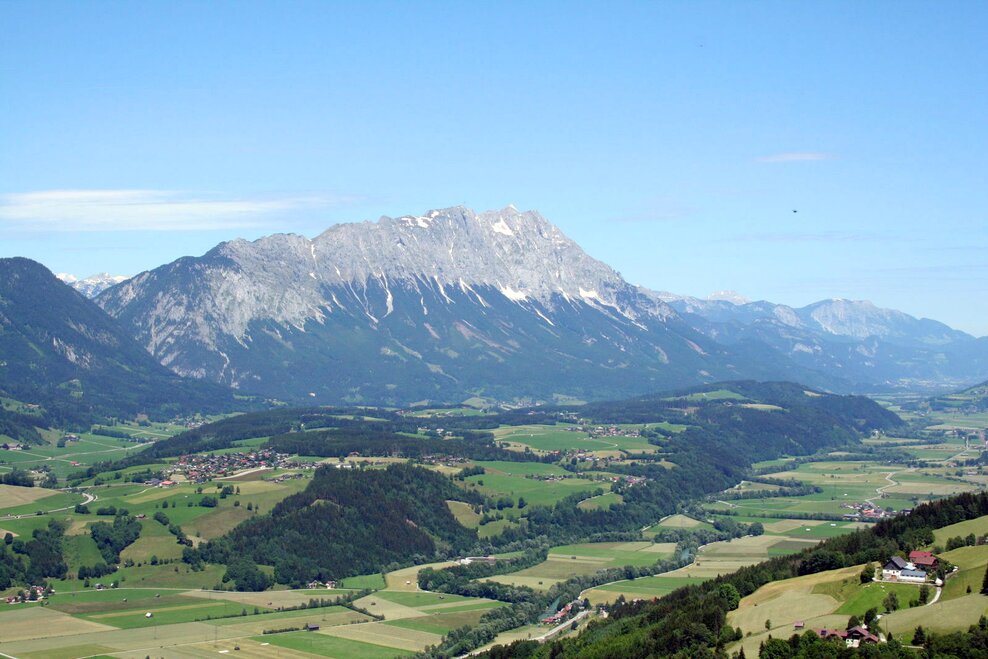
pixel 891 483
pixel 89 499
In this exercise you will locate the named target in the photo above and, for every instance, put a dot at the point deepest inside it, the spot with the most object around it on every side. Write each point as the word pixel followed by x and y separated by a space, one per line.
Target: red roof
pixel 922 558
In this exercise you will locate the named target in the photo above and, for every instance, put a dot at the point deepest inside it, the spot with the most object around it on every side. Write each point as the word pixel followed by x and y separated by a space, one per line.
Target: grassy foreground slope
pixel 693 621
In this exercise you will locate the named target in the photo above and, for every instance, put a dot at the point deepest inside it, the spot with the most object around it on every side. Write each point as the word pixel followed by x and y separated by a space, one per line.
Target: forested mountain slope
pixel 61 351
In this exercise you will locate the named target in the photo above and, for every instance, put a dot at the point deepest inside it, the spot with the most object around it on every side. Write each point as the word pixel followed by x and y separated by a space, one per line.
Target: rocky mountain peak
pixel 521 254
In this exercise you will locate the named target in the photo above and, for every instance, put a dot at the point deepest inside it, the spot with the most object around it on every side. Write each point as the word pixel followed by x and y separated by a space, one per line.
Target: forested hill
pixel 858 412
pixel 61 351
pixel 786 417
pixel 353 522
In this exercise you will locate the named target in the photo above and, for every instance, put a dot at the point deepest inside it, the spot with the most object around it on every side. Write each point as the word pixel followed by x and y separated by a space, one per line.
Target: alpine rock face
pixel 441 306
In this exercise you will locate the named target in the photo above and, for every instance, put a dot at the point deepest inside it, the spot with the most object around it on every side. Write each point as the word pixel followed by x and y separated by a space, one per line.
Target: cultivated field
pixel 568 561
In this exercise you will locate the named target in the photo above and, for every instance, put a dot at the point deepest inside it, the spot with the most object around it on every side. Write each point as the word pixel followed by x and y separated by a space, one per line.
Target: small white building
pixel 894 567
pixel 898 569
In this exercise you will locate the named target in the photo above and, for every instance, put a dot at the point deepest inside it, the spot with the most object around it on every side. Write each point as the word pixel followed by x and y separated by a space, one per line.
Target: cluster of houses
pixel 288 477
pixel 865 512
pixel 563 613
pixel 916 570
pixel 159 482
pixel 853 637
pixel 200 468
pixel 321 584
pixel 31 594
pixel 604 431
pixel 445 460
pixel 14 447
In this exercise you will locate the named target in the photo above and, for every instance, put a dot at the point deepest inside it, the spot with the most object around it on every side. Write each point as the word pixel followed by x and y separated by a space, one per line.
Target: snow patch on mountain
pixel 94 284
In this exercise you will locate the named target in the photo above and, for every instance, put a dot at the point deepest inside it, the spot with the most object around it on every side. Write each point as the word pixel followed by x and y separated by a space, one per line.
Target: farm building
pixel 923 560
pixel 893 568
pixel 912 576
pixel 853 637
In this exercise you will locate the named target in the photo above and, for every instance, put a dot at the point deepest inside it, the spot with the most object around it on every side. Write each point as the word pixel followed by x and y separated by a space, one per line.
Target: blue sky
pixel 673 140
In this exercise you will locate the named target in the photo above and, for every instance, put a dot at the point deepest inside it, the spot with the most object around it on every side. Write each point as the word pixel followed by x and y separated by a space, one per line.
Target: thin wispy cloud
pixel 143 210
pixel 796 156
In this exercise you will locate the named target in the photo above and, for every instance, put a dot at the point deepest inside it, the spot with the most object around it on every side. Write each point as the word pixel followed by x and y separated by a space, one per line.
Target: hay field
pixel 32 621
pixel 407 578
pixel 680 522
pixel 944 616
pixel 378 633
pixel 325 645
pixel 14 495
pixel 271 599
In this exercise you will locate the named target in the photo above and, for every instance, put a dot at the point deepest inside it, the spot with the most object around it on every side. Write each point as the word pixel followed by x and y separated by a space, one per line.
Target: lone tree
pixel 891 602
pixel 919 638
pixel 984 583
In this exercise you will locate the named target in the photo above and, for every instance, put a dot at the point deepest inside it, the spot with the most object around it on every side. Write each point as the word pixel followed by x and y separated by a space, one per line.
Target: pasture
pixel 544 439
pixel 601 501
pixel 511 479
pixel 464 514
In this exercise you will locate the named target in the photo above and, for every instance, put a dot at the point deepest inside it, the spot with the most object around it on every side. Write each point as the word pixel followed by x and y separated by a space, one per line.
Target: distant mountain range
pixel 94 284
pixel 499 304
pixel 61 351
pixel 873 349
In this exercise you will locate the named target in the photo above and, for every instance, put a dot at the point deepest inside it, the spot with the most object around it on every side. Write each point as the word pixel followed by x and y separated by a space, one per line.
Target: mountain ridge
pixel 454 297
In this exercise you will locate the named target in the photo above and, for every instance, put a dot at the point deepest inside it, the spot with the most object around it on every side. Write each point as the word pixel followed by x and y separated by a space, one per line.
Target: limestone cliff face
pixel 466 301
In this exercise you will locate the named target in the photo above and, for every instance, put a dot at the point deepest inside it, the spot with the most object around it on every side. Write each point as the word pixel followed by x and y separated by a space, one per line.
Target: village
pixel 202 467
pixel 596 432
